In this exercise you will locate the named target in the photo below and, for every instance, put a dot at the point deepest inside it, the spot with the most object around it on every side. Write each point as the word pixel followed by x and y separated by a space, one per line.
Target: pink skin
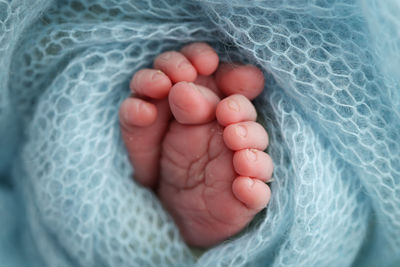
pixel 202 155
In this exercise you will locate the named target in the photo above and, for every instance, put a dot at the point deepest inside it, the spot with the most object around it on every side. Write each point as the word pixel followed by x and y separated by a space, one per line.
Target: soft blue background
pixel 331 106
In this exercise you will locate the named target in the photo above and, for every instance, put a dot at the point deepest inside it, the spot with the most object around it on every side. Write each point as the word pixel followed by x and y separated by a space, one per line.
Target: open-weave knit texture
pixel 331 105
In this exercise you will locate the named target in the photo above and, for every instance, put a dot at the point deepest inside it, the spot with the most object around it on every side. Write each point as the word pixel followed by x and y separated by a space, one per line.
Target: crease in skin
pixel 158 75
pixel 215 217
pixel 251 154
pixel 195 167
pixel 182 107
pixel 194 87
pixel 166 56
pixel 169 156
pixel 199 89
pixel 184 64
pixel 196 171
pixel 250 182
pixel 241 131
pixel 214 133
pixel 233 105
pixel 126 115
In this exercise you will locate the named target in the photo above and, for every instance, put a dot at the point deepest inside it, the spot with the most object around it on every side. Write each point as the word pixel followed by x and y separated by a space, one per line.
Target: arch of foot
pixel 320 55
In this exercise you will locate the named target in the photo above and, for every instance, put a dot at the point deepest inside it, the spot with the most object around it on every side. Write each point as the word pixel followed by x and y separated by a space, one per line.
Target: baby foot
pixel 203 155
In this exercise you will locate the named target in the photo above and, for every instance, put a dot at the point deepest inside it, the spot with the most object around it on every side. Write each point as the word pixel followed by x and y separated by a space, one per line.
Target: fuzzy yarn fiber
pixel 331 106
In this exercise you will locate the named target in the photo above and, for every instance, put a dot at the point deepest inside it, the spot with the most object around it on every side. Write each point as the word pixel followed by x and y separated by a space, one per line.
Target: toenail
pixel 183 65
pixel 157 75
pixel 142 107
pixel 203 50
pixel 166 56
pixel 126 115
pixel 249 182
pixel 193 86
pixel 233 105
pixel 251 154
pixel 139 107
pixel 199 49
pixel 241 131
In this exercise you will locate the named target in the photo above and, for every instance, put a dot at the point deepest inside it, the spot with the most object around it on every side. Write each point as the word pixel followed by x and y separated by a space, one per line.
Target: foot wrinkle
pixel 187 169
pixel 180 106
pixel 216 217
pixel 207 181
pixel 168 156
pixel 179 189
pixel 221 150
pixel 195 167
pixel 167 183
pixel 195 185
pixel 127 128
pixel 198 170
pixel 143 152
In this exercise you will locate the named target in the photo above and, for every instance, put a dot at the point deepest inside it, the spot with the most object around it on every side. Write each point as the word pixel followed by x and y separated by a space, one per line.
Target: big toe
pixel 246 80
pixel 192 104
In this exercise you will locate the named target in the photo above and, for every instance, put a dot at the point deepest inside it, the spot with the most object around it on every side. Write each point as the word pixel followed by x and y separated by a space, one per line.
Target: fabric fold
pixel 331 106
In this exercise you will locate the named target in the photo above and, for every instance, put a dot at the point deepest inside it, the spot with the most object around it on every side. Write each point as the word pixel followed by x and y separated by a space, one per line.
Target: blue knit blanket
pixel 331 105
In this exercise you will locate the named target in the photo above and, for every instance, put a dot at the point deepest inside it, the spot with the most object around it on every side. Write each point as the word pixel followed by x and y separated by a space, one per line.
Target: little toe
pixel 235 108
pixel 252 192
pixel 150 82
pixel 176 66
pixel 192 104
pixel 246 80
pixel 253 163
pixel 202 56
pixel 143 125
pixel 137 112
pixel 248 134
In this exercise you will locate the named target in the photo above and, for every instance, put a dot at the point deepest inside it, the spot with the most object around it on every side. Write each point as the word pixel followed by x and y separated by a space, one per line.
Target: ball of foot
pixel 191 134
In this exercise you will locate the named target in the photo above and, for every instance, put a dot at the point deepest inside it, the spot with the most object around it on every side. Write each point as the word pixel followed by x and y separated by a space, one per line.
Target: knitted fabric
pixel 331 106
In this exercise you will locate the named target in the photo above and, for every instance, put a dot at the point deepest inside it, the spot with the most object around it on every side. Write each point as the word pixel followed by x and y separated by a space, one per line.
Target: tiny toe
pixel 192 104
pixel 252 192
pixel 246 80
pixel 248 134
pixel 176 66
pixel 137 112
pixel 253 163
pixel 209 82
pixel 203 57
pixel 235 108
pixel 142 132
pixel 151 83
